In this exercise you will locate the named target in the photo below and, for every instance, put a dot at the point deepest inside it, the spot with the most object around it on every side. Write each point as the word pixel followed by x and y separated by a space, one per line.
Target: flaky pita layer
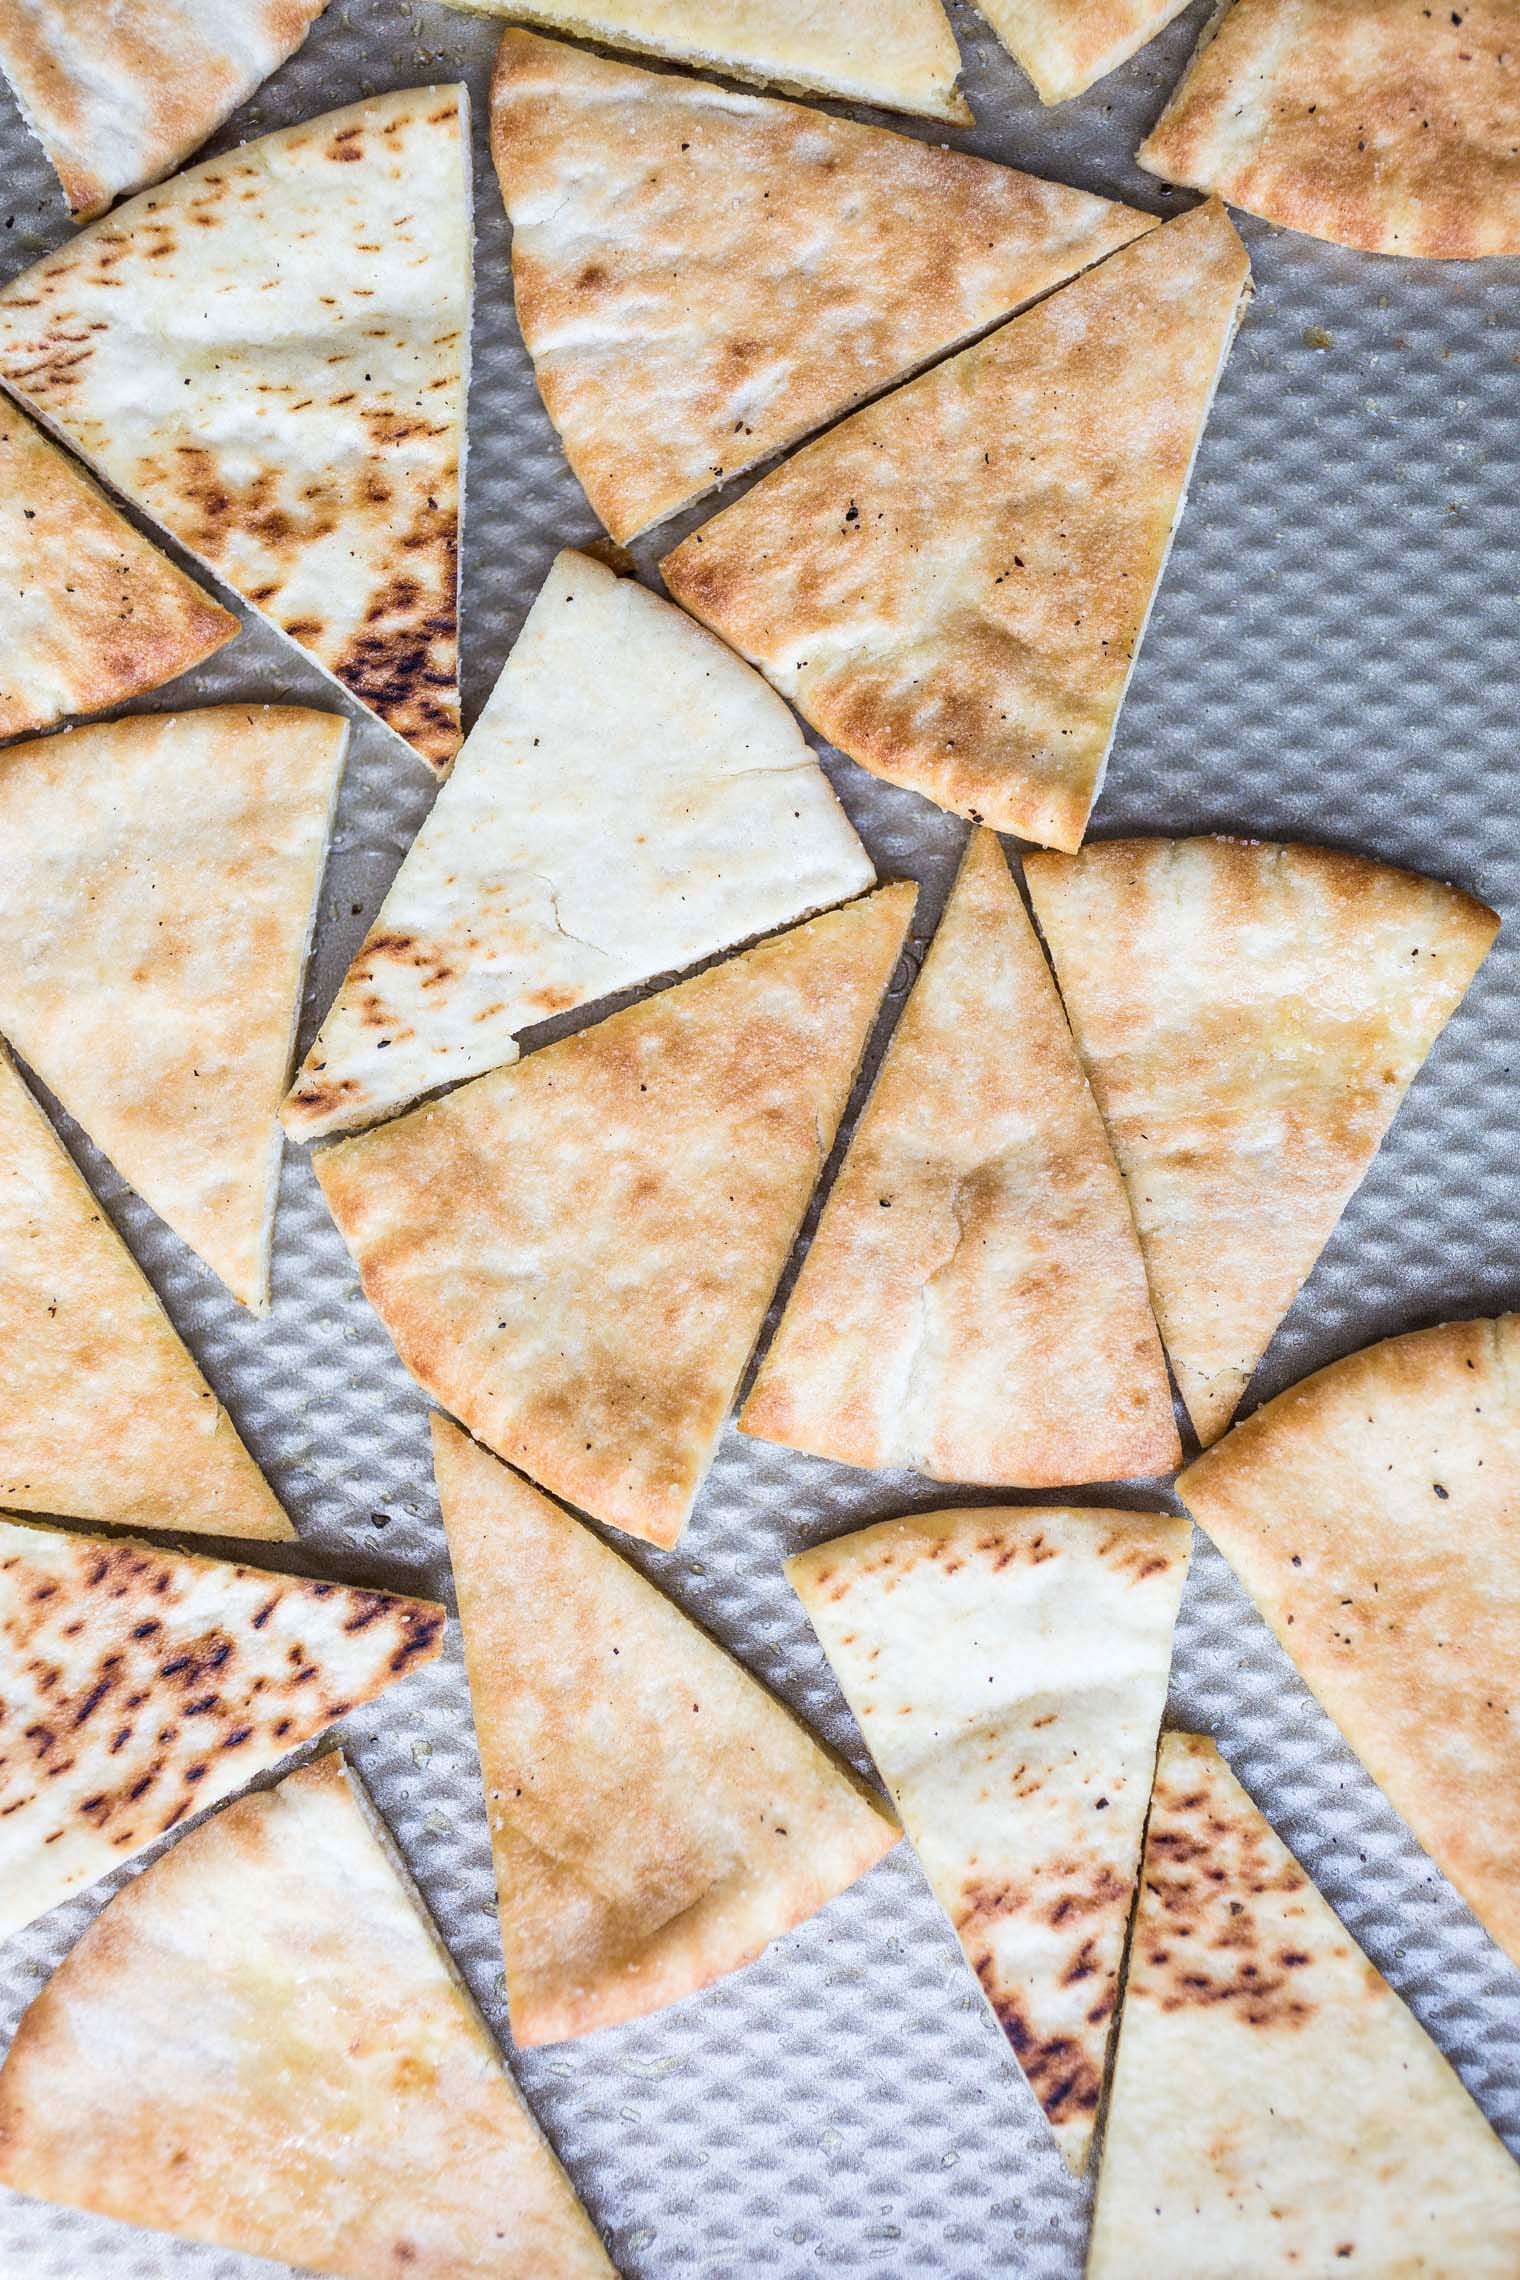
pixel 1065 45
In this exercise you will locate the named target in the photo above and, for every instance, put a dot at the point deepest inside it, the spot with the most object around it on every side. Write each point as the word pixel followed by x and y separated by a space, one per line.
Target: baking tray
pixel 1333 655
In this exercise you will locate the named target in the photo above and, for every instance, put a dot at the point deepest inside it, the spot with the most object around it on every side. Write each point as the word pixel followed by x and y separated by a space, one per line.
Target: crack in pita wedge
pixel 1275 2109
pixel 1065 45
pixel 156 906
pixel 270 356
pixel 953 585
pixel 118 92
pixel 575 1255
pixel 633 798
pixel 362 2123
pixel 974 1303
pixel 704 278
pixel 1251 1017
pixel 1008 1670
pixel 1387 125
pixel 657 1818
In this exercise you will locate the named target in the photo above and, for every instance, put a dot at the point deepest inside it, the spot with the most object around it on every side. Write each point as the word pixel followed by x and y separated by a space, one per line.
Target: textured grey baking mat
pixel 1333 655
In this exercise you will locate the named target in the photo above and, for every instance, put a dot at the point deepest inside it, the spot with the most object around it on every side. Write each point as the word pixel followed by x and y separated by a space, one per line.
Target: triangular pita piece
pixel 633 798
pixel 657 1819
pixel 103 1414
pixel 156 903
pixel 704 278
pixel 1389 125
pixel 142 1686
pixel 1275 2109
pixel 952 585
pixel 974 1302
pixel 575 1255
pixel 1251 1017
pixel 329 2095
pixel 1065 45
pixel 269 355
pixel 1370 1513
pixel 1008 1670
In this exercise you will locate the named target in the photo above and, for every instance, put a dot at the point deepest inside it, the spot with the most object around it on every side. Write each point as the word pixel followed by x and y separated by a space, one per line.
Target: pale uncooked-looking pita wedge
pixel 952 586
pixel 103 1414
pixel 657 1819
pixel 1276 2111
pixel 269 355
pixel 156 903
pixel 119 91
pixel 1389 125
pixel 142 1686
pixel 1065 45
pixel 1008 1670
pixel 1370 1513
pixel 633 798
pixel 974 1302
pixel 1251 1017
pixel 327 2095
pixel 704 278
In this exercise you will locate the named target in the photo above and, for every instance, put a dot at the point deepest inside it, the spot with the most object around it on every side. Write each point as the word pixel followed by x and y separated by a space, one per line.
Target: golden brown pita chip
pixel 1065 45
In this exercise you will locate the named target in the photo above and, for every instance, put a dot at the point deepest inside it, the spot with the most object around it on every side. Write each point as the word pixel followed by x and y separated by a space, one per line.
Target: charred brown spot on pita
pixel 1060 2073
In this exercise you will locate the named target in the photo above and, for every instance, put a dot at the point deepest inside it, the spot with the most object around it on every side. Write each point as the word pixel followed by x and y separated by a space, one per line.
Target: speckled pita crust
pixel 329 2095
pixel 974 1303
pixel 270 356
pixel 1008 1670
pixel 952 585
pixel 657 1819
pixel 1389 125
pixel 1276 2112
pixel 703 278
pixel 1251 1017
pixel 1065 45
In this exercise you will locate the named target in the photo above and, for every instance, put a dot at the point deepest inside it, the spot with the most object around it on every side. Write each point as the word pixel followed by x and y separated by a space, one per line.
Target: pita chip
pixel 118 92
pixel 974 1304
pixel 633 798
pixel 362 2123
pixel 703 278
pixel 1008 1670
pixel 575 1255
pixel 1275 2109
pixel 1251 1017
pixel 156 905
pixel 1388 125
pixel 1370 1513
pixel 953 585
pixel 657 1819
pixel 269 355
pixel 1065 45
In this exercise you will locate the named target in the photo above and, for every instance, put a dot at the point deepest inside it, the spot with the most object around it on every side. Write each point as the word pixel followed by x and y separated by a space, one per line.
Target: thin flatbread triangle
pixel 633 798
pixel 1251 1016
pixel 974 1304
pixel 156 905
pixel 269 355
pixel 1065 45
pixel 1008 1671
pixel 657 1818
pixel 704 278
pixel 1275 2109
pixel 363 2123
pixel 952 586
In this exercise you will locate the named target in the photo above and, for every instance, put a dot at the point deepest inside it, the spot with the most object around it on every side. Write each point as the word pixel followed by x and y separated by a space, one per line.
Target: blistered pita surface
pixel 1065 45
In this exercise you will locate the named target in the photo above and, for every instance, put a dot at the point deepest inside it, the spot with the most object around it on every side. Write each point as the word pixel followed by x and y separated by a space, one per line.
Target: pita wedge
pixel 974 1302
pixel 156 903
pixel 657 1819
pixel 704 278
pixel 1275 2109
pixel 1370 1513
pixel 120 91
pixel 575 1255
pixel 1251 1017
pixel 103 1414
pixel 1389 125
pixel 633 798
pixel 329 2096
pixel 1065 45
pixel 952 586
pixel 269 355
pixel 1008 1670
